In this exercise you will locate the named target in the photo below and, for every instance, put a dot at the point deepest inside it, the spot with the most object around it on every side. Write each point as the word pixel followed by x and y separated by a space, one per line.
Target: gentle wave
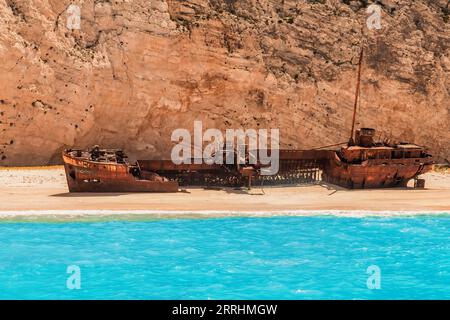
pixel 105 215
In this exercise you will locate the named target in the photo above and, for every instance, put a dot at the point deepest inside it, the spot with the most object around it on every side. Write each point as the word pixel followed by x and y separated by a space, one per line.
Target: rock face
pixel 138 69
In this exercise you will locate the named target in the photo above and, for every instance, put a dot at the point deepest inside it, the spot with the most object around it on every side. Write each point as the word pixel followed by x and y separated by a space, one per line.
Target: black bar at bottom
pixel 225 309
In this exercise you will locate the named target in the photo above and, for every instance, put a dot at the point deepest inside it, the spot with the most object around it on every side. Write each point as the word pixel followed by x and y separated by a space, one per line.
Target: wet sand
pixel 42 192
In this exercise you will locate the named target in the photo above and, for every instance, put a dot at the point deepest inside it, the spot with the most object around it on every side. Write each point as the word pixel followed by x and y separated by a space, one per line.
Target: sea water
pixel 228 258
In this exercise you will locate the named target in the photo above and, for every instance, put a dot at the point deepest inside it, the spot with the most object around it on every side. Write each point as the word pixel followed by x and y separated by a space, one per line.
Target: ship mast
pixel 351 141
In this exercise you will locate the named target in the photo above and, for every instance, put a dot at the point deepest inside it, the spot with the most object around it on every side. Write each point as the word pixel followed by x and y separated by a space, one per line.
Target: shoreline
pixel 142 215
pixel 39 194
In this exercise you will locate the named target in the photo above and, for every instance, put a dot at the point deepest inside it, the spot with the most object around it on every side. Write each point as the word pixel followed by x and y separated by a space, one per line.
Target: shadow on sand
pixel 87 194
pixel 256 190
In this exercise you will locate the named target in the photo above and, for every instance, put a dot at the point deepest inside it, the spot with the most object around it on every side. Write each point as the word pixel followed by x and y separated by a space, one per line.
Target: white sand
pixel 32 193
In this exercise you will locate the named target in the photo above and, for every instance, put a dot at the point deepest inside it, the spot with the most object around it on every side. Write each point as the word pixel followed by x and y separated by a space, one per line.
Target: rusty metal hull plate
pixel 356 167
pixel 87 176
pixel 374 175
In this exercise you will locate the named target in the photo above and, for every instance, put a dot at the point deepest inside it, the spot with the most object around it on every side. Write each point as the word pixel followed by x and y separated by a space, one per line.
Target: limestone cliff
pixel 137 69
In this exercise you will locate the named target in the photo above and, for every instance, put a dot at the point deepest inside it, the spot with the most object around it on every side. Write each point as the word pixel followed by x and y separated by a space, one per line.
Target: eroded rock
pixel 138 69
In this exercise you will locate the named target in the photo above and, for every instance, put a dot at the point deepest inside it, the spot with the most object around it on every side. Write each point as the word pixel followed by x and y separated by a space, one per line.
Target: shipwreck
pixel 364 164
pixel 359 163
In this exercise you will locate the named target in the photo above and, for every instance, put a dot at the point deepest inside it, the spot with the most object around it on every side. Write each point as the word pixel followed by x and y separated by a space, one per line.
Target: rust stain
pixel 362 164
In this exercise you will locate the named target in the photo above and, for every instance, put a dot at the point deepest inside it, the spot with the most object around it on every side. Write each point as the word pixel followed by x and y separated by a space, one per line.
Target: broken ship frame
pixel 360 163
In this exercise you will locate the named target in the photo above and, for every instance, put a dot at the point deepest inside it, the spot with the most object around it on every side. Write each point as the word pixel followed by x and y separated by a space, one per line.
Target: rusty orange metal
pixel 365 165
pixel 376 165
pixel 107 174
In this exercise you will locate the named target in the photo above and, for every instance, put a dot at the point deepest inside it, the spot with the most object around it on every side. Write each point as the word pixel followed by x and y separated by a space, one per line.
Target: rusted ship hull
pixel 295 166
pixel 374 174
pixel 90 176
pixel 365 165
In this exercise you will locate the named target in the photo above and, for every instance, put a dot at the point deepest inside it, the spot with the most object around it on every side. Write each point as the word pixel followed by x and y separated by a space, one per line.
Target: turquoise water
pixel 229 258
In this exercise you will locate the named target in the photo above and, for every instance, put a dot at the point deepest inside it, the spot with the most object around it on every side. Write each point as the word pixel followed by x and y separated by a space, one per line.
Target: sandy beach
pixel 42 192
